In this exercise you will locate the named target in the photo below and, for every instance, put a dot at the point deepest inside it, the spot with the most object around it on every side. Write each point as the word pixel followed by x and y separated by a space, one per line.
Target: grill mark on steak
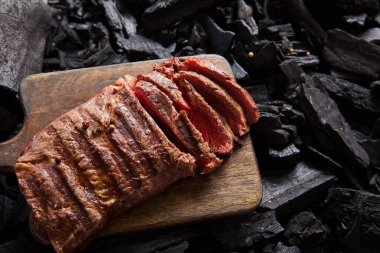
pixel 166 86
pixel 219 100
pixel 89 165
pixel 63 218
pixel 214 130
pixel 227 82
pixel 176 125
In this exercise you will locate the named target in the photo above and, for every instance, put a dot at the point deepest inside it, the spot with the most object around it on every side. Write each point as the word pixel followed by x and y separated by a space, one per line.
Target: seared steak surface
pixel 127 144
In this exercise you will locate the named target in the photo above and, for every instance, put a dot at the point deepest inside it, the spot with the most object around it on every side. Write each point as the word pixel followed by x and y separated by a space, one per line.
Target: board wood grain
pixel 235 188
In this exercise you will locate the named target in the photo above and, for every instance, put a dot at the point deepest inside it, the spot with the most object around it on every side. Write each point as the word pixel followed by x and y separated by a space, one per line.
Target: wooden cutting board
pixel 235 188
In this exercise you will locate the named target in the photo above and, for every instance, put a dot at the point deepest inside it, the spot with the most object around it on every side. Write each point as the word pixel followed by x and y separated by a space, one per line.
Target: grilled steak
pixel 226 81
pixel 219 100
pixel 167 86
pixel 176 125
pixel 94 162
pixel 213 127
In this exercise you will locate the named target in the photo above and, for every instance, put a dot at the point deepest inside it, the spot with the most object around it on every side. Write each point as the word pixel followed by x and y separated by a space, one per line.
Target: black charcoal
pixel 355 98
pixel 355 216
pixel 220 40
pixel 291 129
pixel 259 93
pixel 24 28
pixel 273 137
pixel 198 36
pixel 357 6
pixel 244 12
pixel 293 72
pixel 295 189
pixel 356 21
pixel 375 88
pixel 331 129
pixel 305 230
pixel 242 232
pixel 281 31
pixel 375 130
pixel 165 12
pixel 268 121
pixel 243 31
pixel 239 73
pixel 281 248
pixel 119 18
pixel 286 157
pixel 351 54
pixel 373 149
pixel 139 44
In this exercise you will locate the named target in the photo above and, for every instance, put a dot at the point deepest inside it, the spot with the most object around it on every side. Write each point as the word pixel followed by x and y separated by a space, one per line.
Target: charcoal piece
pixel 355 215
pixel 25 26
pixel 239 73
pixel 139 44
pixel 104 56
pixel 278 32
pixel 219 39
pixel 305 61
pixel 294 189
pixel 165 12
pixel 291 129
pixel 7 207
pixel 348 53
pixel 373 149
pixel 8 122
pixel 301 15
pixel 244 12
pixel 281 248
pixel 355 21
pixel 331 129
pixel 242 232
pixel 375 88
pixel 357 6
pixel 273 137
pixel 293 72
pixel 305 230
pixel 182 247
pixel 243 31
pixel 24 243
pixel 198 36
pixel 267 121
pixel 291 115
pixel 374 183
pixel 259 93
pixel 355 98
pixel 264 61
pixel 186 51
pixel 119 18
pixel 286 157
pixel 375 130
pixel 317 157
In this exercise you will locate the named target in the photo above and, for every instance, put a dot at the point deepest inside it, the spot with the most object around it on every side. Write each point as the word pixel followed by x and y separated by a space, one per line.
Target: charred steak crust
pixel 94 162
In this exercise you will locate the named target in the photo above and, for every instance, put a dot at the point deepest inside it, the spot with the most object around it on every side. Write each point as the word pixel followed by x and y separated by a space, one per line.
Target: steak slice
pixel 167 86
pixel 219 100
pixel 227 82
pixel 94 162
pixel 176 125
pixel 213 127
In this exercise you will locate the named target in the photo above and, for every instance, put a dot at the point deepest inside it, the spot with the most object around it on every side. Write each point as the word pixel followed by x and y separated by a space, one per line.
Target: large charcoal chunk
pixel 357 6
pixel 165 12
pixel 305 229
pixel 25 25
pixel 239 73
pixel 293 190
pixel 237 233
pixel 220 40
pixel 327 123
pixel 286 157
pixel 243 31
pixel 372 35
pixel 244 12
pixel 354 97
pixel 346 52
pixel 119 18
pixel 281 248
pixel 139 44
pixel 355 215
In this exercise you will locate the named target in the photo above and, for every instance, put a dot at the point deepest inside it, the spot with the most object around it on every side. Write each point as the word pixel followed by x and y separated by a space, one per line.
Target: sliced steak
pixel 176 125
pixel 213 127
pixel 167 86
pixel 94 162
pixel 219 100
pixel 226 81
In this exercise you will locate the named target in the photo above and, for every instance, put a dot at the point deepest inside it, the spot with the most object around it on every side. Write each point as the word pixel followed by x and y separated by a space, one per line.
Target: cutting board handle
pixel 10 151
